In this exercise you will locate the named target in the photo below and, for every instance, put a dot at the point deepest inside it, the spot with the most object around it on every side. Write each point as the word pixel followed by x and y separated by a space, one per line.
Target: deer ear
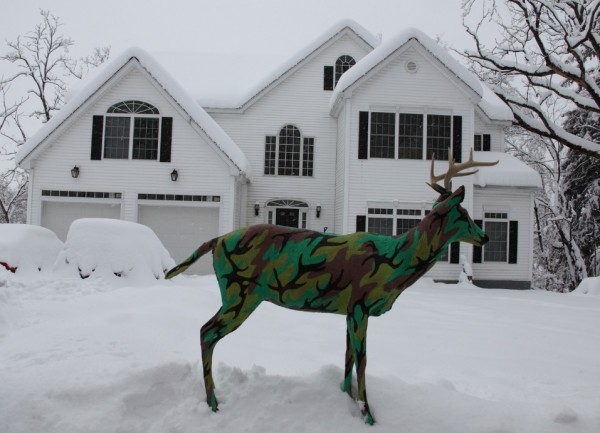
pixel 459 195
pixel 439 189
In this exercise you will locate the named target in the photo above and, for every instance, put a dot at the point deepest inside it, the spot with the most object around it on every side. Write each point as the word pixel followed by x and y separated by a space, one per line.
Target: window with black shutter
pixel 416 136
pixel 132 130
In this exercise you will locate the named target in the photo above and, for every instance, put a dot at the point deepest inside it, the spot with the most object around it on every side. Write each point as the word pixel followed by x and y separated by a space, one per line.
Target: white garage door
pixel 58 216
pixel 182 230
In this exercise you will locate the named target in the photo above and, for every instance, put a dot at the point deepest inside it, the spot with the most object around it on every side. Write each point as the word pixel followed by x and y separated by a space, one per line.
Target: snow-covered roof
pixel 509 171
pixel 288 66
pixel 491 105
pixel 94 83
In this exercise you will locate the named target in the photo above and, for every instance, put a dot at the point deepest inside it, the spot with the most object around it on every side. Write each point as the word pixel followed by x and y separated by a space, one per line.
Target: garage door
pixel 182 230
pixel 58 216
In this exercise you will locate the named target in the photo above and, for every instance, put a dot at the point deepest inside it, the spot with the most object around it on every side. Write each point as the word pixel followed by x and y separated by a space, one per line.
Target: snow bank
pixel 28 248
pixel 109 247
pixel 589 286
pixel 85 356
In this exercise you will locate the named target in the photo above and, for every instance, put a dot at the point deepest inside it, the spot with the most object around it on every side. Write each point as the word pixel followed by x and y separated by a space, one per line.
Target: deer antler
pixel 454 170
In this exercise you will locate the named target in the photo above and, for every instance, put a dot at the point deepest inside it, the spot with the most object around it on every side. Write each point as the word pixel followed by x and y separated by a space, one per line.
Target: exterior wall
pixel 301 101
pixel 202 171
pixel 496 133
pixel 401 181
pixel 518 203
pixel 340 168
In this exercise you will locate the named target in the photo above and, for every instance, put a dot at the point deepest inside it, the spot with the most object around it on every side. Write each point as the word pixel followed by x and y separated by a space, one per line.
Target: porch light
pixel 174 175
pixel 75 172
pixel 256 208
pixel 318 210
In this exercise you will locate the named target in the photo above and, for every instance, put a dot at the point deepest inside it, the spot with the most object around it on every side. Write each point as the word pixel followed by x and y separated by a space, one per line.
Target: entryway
pixel 289 213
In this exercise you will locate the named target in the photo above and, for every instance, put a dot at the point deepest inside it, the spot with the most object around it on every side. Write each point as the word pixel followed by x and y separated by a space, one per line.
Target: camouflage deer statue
pixel 358 275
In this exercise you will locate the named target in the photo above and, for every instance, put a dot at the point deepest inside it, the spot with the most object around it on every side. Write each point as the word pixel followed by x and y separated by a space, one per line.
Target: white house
pixel 338 138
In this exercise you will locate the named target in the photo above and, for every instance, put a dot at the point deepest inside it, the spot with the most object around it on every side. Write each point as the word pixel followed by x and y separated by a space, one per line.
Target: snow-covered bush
pixel 113 248
pixel 27 249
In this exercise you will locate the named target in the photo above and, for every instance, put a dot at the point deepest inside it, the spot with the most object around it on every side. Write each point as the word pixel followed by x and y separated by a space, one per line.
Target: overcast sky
pixel 227 26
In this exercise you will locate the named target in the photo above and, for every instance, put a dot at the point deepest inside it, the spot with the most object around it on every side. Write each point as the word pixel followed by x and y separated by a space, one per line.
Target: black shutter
pixel 487 140
pixel 363 135
pixel 457 139
pixel 97 130
pixel 455 252
pixel 166 135
pixel 328 78
pixel 513 240
pixel 361 223
pixel 477 251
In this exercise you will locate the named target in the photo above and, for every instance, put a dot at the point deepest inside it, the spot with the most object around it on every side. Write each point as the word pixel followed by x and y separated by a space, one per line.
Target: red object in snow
pixel 8 267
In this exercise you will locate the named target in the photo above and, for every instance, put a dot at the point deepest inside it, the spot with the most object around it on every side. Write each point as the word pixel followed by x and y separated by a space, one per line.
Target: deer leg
pixel 357 329
pixel 349 365
pixel 221 324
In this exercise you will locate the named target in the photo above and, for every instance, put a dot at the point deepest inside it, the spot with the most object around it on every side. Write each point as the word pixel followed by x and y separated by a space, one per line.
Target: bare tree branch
pixel 41 63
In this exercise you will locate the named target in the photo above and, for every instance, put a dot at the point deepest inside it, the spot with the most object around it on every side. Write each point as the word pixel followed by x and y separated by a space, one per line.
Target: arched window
pixel 332 74
pixel 132 130
pixel 342 64
pixel 289 154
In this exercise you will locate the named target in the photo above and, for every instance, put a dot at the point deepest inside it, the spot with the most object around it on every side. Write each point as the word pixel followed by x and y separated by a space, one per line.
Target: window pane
pixel 477 142
pixel 116 138
pixel 307 156
pixel 405 224
pixel 289 151
pixel 410 136
pixel 145 138
pixel 496 249
pixel 381 226
pixel 438 136
pixel 270 149
pixel 133 107
pixel 383 127
pixel 342 64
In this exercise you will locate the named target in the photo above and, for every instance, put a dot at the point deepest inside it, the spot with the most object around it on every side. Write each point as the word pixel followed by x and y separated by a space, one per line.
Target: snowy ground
pixel 101 356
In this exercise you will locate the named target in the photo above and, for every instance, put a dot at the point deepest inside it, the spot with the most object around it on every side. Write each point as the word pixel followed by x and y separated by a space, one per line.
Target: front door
pixel 287 217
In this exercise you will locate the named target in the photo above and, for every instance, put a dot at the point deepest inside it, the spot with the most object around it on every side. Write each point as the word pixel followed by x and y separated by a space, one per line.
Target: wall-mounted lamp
pixel 174 175
pixel 318 211
pixel 256 208
pixel 75 172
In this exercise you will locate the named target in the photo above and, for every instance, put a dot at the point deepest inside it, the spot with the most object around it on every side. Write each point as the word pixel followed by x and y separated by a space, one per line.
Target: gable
pixel 427 86
pixel 451 68
pixel 346 29
pixel 155 76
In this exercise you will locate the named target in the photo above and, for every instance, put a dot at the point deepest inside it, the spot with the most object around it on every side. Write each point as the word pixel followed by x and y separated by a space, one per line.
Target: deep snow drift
pixel 100 355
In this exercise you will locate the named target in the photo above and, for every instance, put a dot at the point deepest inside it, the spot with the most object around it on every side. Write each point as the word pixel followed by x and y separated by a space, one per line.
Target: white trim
pixel 347 159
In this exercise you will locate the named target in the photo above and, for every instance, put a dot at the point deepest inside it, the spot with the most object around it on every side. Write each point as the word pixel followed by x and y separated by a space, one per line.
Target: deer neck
pixel 433 234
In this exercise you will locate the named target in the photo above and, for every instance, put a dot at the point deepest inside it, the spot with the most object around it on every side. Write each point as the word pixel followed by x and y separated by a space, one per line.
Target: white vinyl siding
pixel 298 100
pixel 202 170
pixel 428 91
pixel 518 206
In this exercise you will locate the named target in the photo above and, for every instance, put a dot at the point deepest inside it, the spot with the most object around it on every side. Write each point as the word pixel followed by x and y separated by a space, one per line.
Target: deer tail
pixel 202 249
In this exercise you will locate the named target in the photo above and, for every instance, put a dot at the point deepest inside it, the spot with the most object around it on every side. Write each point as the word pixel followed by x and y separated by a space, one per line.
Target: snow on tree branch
pixel 34 89
pixel 544 61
